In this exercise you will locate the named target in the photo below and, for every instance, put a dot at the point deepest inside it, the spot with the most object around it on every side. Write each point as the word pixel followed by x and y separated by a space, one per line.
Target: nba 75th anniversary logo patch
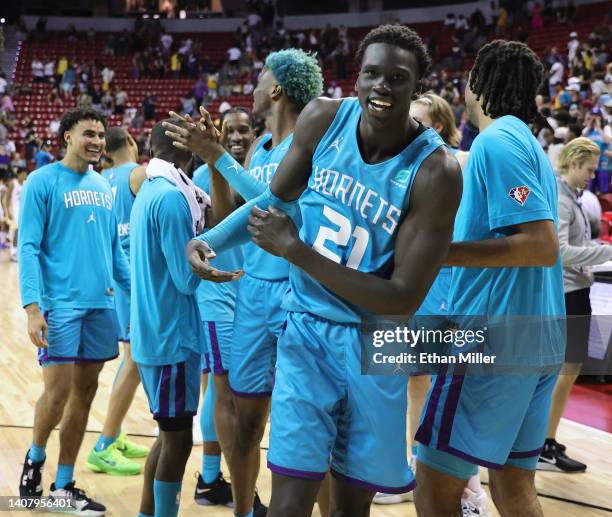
pixel 519 194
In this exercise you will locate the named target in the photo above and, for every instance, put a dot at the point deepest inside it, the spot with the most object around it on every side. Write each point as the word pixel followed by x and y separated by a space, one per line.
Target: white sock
pixel 474 484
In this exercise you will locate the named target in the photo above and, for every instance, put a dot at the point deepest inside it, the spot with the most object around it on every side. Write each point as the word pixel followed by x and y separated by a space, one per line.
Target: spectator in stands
pixel 109 47
pixel 84 100
pixel 6 104
pixel 200 89
pixel 96 97
pixel 43 156
pixel 186 47
pixel 450 21
pixel 121 98
pixel 461 26
pixel 38 70
pixel 334 91
pixel 233 56
pixel 3 83
pixel 137 120
pixel 188 104
pixel 594 130
pixel 54 98
pixel 53 127
pixel 175 65
pixel 68 81
pixel 73 35
pixel 555 76
pixel 224 106
pixel 108 76
pixel 572 47
pixel 166 43
pixel 107 103
pixel 62 65
pixel 149 106
pixel 502 21
pixel 213 83
pixel 560 136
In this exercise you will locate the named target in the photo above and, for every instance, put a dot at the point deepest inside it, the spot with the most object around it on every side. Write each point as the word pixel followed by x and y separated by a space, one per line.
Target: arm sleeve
pixel 232 231
pixel 121 266
pixel 514 190
pixel 239 178
pixel 176 230
pixel 589 255
pixel 31 233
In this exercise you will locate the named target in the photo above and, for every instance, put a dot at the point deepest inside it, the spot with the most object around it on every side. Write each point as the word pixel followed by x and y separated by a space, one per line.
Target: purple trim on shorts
pixel 525 454
pixel 214 342
pixel 372 487
pixel 164 391
pixel 157 416
pixel 206 369
pixel 304 474
pixel 472 459
pixel 255 395
pixel 45 358
pixel 450 408
pixel 179 389
pixel 424 431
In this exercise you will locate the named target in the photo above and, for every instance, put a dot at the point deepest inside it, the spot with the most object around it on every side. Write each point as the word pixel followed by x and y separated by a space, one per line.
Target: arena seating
pixel 169 91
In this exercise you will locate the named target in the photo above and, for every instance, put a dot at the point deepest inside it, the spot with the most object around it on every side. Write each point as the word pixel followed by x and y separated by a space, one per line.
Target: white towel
pixel 197 199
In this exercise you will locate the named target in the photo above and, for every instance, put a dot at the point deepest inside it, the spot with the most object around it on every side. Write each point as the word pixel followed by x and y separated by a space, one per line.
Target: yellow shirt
pixel 62 65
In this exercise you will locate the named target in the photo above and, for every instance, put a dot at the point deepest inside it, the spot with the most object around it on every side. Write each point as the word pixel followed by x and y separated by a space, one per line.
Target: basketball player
pixel 113 452
pixel 13 195
pixel 166 335
pixel 69 252
pixel 377 189
pixel 504 264
pixel 4 219
pixel 290 79
pixel 217 302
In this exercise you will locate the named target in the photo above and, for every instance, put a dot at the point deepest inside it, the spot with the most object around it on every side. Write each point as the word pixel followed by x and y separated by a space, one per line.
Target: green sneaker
pixel 130 449
pixel 111 461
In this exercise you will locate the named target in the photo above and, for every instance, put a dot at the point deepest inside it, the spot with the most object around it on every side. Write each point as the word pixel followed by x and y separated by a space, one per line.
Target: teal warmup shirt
pixel 165 320
pixel 351 210
pixel 508 180
pixel 257 262
pixel 119 179
pixel 218 301
pixel 69 248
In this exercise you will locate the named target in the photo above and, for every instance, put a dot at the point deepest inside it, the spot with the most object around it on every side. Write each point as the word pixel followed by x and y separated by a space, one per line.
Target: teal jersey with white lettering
pixel 164 316
pixel 218 300
pixel 119 179
pixel 351 210
pixel 257 262
pixel 69 248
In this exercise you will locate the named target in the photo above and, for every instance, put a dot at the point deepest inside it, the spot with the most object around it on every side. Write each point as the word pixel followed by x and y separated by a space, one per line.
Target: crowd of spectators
pixel 575 99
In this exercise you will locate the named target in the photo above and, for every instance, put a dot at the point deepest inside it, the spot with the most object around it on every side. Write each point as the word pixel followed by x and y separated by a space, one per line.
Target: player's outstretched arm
pixel 422 243
pixel 288 183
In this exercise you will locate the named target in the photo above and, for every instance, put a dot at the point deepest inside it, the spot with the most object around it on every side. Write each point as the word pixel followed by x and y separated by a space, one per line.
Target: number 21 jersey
pixel 351 210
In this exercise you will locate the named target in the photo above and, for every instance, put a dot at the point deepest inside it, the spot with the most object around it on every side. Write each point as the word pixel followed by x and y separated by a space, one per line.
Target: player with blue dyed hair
pixel 290 79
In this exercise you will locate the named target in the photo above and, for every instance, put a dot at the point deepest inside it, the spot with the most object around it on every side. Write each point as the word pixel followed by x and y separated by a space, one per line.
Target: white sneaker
pixel 381 498
pixel 198 439
pixel 475 505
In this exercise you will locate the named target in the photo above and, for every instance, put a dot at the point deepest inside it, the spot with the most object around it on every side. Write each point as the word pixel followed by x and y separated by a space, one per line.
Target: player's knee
pixel 511 488
pixel 57 393
pixel 291 504
pixel 251 428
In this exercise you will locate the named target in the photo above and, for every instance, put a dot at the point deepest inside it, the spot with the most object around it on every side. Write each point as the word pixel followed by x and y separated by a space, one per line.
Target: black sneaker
pixel 553 458
pixel 211 494
pixel 30 483
pixel 79 502
pixel 259 509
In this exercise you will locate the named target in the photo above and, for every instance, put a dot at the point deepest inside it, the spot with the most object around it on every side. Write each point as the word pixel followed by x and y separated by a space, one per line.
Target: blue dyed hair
pixel 298 74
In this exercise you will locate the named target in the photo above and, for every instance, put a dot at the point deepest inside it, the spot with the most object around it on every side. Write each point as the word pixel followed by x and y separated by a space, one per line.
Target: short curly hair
pixel 298 74
pixel 74 115
pixel 400 36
